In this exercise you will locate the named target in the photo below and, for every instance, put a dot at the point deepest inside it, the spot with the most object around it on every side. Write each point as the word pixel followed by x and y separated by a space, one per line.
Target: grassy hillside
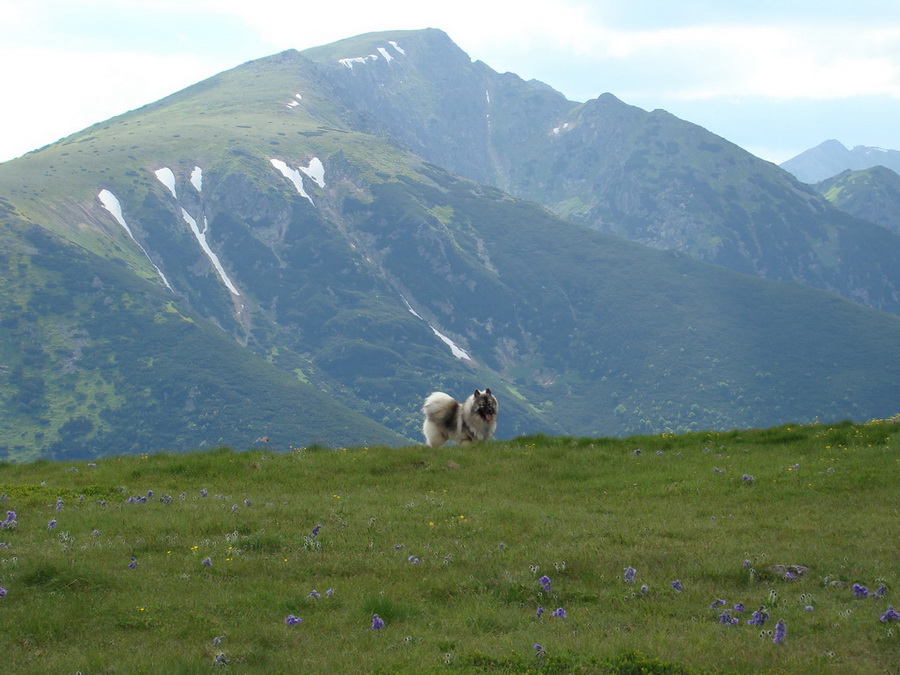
pixel 176 563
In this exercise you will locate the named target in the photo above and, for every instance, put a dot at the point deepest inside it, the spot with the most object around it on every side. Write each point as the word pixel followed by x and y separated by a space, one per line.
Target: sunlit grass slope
pixel 189 563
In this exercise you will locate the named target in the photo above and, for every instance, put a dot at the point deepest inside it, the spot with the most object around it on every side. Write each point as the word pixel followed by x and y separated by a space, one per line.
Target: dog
pixel 446 419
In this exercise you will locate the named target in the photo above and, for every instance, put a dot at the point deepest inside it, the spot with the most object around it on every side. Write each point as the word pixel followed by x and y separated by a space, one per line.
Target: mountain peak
pixel 830 158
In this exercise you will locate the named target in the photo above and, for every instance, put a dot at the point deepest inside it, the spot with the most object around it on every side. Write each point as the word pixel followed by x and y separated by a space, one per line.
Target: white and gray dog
pixel 446 419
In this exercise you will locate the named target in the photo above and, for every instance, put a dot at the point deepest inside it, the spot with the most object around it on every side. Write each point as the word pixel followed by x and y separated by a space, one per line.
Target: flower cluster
pixel 890 615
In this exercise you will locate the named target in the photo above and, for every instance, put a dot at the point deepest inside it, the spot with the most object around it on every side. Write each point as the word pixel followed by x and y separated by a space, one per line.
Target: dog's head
pixel 486 404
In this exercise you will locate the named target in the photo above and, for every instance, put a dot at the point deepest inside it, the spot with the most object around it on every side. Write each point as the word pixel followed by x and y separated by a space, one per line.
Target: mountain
pixel 871 194
pixel 649 177
pixel 832 157
pixel 264 255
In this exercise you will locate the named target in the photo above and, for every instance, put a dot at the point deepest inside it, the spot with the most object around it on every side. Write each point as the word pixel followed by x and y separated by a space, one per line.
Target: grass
pixel 447 546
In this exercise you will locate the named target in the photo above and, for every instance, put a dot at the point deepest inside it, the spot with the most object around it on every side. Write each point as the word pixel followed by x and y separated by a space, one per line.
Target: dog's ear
pixel 477 394
pixel 487 392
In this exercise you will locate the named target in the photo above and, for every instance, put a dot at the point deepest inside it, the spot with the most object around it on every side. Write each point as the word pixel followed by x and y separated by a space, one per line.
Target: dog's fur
pixel 446 419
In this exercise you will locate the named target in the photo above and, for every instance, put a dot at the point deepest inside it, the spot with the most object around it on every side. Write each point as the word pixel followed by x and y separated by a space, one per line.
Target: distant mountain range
pixel 297 250
pixel 871 194
pixel 831 158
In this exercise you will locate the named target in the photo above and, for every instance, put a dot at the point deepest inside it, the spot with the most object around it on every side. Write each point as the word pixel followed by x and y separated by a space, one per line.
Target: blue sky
pixel 774 76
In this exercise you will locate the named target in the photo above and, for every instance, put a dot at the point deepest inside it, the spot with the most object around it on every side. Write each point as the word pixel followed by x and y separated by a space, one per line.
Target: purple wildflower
pixel 760 616
pixel 539 612
pixel 292 620
pixel 780 632
pixel 629 575
pixel 559 612
pixel 739 607
pixel 637 451
pixel 204 492
pixel 545 582
pixel 880 592
pixel 234 508
pixel 315 531
pixel 133 564
pixel 809 608
pixel 329 592
pixel 149 494
pixel 247 502
pixel 10 516
pixel 538 648
pixel 220 660
pixel 59 504
pixel 218 640
pixel 748 478
pixel 677 585
pixel 3 592
pixel 314 594
pixel 715 603
pixel 860 592
pixel 726 618
pixel 890 615
pixel 645 589
pixel 207 562
pixel 377 622
pixel 413 560
pixel 51 524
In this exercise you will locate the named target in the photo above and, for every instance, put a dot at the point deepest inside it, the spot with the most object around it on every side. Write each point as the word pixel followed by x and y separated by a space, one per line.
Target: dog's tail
pixel 438 404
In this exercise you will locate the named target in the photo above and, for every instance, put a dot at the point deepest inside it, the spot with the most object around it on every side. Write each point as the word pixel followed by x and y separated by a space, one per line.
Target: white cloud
pixel 61 92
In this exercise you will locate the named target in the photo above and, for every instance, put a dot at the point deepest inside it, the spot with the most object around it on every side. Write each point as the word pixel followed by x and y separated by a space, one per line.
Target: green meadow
pixel 261 562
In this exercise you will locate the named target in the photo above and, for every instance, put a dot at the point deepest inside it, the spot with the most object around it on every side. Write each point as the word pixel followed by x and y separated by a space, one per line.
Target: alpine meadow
pixel 759 551
pixel 222 312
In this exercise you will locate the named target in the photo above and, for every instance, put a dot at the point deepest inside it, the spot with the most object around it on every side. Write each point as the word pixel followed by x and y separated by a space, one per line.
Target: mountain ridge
pixel 649 177
pixel 831 157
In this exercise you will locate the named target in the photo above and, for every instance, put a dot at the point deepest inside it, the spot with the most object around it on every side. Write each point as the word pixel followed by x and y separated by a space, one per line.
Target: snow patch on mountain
pixel 167 178
pixel 295 102
pixel 204 244
pixel 197 178
pixel 362 60
pixel 357 59
pixel 315 172
pixel 111 203
pixel 457 351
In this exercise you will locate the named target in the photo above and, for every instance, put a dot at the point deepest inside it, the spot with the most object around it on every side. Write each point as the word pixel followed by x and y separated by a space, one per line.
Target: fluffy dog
pixel 446 419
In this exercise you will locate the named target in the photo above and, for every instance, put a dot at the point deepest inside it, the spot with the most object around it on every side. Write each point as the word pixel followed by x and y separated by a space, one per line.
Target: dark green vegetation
pixel 871 194
pixel 330 332
pixel 150 558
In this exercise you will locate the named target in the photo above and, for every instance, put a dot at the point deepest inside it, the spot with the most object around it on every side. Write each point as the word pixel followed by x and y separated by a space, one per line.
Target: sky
pixel 776 77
